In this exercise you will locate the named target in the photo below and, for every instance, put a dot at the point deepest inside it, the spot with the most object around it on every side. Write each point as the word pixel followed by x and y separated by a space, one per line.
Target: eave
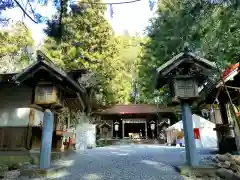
pixel 177 61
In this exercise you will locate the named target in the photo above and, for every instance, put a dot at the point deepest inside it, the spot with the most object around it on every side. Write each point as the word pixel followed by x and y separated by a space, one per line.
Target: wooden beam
pixel 81 101
pixel 29 130
pixel 35 106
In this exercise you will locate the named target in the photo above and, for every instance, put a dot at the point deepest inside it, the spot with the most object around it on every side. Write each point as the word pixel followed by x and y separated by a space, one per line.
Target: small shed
pixel 19 111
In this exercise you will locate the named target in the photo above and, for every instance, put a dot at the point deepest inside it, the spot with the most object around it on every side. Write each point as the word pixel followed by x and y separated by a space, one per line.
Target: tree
pixel 208 29
pixel 15 50
pixel 88 41
pixel 129 49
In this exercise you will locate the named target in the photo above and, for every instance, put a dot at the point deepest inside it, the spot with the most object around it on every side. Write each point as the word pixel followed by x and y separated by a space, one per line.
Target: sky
pixel 133 17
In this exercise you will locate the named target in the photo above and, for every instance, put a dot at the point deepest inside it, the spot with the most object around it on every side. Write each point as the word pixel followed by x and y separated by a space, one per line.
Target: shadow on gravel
pixel 117 164
pixel 131 162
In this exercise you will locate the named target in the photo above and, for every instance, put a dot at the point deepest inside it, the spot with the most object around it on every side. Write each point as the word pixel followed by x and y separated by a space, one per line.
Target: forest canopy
pixel 126 64
pixel 208 28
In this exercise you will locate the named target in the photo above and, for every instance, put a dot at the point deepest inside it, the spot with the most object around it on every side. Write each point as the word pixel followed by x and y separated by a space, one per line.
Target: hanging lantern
pixel 116 126
pixel 152 125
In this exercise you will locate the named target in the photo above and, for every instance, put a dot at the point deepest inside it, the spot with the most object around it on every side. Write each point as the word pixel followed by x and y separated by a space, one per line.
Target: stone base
pixel 37 172
pixel 32 156
pixel 197 171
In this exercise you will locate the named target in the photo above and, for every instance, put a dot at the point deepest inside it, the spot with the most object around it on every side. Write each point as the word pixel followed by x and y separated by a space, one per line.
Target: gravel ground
pixel 129 162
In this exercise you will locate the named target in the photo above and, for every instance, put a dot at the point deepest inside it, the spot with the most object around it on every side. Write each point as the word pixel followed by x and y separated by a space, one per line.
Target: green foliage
pixel 209 30
pixel 15 42
pixel 129 49
pixel 88 41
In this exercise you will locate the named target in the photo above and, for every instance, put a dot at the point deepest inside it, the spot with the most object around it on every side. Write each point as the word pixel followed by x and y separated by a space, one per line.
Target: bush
pixel 102 143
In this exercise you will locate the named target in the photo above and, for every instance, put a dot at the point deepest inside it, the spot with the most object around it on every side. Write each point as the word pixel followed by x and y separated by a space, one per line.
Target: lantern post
pixel 49 97
pixel 185 90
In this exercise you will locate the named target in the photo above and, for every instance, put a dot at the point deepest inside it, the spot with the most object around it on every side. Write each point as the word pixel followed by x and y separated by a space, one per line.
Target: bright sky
pixel 133 17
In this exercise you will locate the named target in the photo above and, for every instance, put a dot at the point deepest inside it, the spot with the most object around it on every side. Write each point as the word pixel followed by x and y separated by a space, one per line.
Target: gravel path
pixel 130 162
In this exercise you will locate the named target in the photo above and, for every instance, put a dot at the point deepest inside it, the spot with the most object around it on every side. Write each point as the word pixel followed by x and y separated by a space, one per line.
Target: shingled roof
pixel 136 109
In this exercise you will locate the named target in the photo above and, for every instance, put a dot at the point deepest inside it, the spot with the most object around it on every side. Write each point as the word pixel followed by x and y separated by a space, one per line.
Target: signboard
pixel 137 121
pixel 229 70
pixel 229 74
pixel 68 134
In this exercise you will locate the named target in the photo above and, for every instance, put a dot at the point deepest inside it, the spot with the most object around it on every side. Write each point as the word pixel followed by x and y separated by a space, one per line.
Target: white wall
pixel 14 103
pixel 208 137
pixel 85 136
pixel 38 117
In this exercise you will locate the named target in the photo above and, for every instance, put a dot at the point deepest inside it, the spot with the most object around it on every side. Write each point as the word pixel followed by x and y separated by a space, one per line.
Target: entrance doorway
pixel 134 129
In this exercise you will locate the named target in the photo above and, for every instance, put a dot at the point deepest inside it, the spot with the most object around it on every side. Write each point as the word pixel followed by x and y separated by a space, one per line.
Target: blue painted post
pixel 46 145
pixel 190 146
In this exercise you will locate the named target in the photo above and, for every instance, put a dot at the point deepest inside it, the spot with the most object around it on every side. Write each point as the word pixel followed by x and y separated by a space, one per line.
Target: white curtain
pixel 85 136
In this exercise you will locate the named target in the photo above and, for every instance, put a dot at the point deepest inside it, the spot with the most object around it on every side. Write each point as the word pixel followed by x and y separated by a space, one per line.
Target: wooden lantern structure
pixel 186 74
pixel 185 87
pixel 48 95
pixel 49 86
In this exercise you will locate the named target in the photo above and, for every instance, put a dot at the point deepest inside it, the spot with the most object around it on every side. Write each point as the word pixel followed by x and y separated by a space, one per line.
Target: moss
pixel 102 142
pixel 14 159
pixel 26 157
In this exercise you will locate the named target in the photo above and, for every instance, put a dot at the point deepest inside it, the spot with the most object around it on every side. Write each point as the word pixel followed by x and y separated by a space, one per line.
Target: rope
pixel 232 87
pixel 84 2
pixel 124 2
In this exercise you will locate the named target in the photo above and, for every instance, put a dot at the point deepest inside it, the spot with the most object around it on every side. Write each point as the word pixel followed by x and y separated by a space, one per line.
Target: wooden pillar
pixel 190 146
pixel 123 129
pixel 29 130
pixel 146 135
pixel 112 129
pixel 157 122
pixel 46 144
pixel 216 116
pixel 223 111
